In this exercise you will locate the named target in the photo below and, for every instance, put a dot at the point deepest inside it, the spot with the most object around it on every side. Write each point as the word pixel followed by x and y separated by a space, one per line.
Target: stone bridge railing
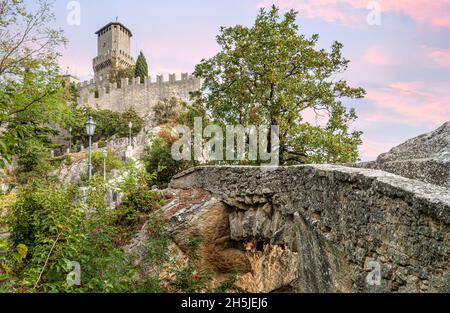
pixel 341 221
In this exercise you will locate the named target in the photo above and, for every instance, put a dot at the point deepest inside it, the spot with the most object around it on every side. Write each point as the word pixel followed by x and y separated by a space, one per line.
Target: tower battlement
pixel 113 49
pixel 95 84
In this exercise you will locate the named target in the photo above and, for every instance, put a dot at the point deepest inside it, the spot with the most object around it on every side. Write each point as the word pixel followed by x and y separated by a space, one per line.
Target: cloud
pixel 378 56
pixel 441 57
pixel 371 149
pixel 397 111
pixel 329 10
pixel 434 13
pixel 411 103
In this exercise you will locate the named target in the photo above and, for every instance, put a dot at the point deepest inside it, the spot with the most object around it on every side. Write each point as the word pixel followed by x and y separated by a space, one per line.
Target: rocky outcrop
pixel 317 228
pixel 426 158
pixel 434 145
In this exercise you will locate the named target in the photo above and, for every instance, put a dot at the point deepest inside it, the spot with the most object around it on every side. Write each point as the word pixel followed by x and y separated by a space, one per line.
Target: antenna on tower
pixel 117 18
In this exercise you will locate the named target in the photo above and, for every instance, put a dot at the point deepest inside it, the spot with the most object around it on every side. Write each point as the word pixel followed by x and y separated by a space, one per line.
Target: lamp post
pixel 70 139
pixel 104 154
pixel 130 125
pixel 90 130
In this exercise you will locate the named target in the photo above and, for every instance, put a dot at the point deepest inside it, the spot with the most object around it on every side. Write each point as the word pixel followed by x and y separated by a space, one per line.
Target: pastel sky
pixel 404 63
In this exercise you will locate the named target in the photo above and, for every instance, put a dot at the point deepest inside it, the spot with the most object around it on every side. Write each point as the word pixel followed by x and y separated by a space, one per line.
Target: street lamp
pixel 104 154
pixel 90 130
pixel 130 125
pixel 70 139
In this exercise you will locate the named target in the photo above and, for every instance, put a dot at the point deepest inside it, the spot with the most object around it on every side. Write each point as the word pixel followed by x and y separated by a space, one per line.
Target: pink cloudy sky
pixel 404 63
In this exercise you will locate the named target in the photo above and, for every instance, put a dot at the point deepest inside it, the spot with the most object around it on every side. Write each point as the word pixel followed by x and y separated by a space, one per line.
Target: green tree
pixel 130 115
pixel 116 74
pixel 158 159
pixel 269 74
pixel 30 91
pixel 33 162
pixel 109 123
pixel 141 68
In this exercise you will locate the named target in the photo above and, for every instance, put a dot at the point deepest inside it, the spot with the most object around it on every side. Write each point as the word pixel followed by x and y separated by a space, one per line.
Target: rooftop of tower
pixel 114 23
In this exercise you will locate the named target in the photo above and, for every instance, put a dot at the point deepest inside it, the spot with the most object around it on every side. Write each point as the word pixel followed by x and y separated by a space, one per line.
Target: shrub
pixel 109 124
pixel 138 201
pixel 158 155
pixel 55 228
pixel 33 162
pixel 117 74
pixel 143 200
pixel 112 162
pixel 46 221
pixel 167 110
pixel 157 246
pixel 190 278
pixel 102 144
pixel 61 160
pixel 5 202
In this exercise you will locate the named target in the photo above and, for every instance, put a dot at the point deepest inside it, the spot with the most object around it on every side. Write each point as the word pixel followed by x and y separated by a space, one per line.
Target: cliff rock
pixel 425 158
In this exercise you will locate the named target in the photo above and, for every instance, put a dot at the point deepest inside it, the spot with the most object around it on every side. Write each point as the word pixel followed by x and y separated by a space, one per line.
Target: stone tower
pixel 113 49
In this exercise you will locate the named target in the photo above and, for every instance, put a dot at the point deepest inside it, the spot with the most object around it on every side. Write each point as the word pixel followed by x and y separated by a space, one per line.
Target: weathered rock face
pixel 426 158
pixel 318 228
pixel 434 145
pixel 195 213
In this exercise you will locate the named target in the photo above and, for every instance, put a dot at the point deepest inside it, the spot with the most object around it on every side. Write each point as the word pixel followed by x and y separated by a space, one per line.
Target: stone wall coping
pixel 435 199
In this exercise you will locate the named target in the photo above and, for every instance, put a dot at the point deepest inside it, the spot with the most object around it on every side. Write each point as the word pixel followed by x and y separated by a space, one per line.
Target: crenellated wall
pixel 134 93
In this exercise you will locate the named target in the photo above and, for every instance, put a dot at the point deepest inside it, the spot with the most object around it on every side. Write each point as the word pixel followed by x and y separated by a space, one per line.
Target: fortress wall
pixel 134 93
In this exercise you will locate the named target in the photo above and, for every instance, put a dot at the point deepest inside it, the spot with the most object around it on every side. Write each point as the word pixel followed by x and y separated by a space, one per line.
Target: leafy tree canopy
pixel 109 124
pixel 30 91
pixel 269 74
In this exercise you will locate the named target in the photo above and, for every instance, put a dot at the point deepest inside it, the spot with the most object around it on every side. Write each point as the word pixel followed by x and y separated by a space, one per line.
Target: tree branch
pixel 31 103
pixel 46 261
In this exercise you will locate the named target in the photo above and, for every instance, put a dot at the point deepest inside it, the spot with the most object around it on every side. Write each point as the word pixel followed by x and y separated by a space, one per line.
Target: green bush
pixel 158 244
pixel 46 221
pixel 33 161
pixel 55 228
pixel 112 162
pixel 117 74
pixel 168 110
pixel 143 200
pixel 158 158
pixel 109 124
pixel 138 201
pixel 190 278
pixel 62 160
pixel 102 144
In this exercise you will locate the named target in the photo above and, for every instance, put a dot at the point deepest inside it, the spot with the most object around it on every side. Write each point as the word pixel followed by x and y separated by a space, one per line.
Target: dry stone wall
pixel 337 220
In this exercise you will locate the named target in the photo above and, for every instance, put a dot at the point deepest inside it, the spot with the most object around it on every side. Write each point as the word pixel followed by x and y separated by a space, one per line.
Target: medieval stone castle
pixel 113 52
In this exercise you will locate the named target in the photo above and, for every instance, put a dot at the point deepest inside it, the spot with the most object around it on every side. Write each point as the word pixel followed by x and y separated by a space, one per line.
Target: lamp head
pixel 90 126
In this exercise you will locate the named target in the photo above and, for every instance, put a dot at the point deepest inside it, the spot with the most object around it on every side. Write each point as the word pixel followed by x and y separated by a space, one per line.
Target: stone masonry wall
pixel 140 95
pixel 337 220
